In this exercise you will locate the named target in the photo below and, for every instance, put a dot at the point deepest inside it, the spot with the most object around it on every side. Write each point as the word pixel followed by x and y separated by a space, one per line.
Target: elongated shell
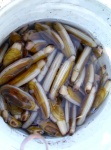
pixel 14 53
pixel 34 46
pixel 73 120
pixel 40 96
pixel 12 70
pixel 87 106
pixel 69 48
pixel 62 76
pixel 28 75
pixel 52 72
pixel 101 94
pixel 43 53
pixel 58 112
pixel 67 113
pixel 78 83
pixel 74 95
pixel 3 50
pixel 50 35
pixel 85 39
pixel 17 97
pixel 30 120
pixel 31 35
pixel 80 63
pixel 47 66
pixel 89 78
pixel 50 128
pixel 70 95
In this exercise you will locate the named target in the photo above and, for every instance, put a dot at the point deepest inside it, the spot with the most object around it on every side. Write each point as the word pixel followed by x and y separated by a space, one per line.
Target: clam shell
pixel 14 69
pixel 40 96
pixel 14 53
pixel 34 46
pixel 28 75
pixel 17 97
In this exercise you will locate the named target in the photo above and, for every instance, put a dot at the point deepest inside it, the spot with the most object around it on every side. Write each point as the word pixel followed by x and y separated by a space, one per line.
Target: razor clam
pixel 14 37
pixel 69 48
pixel 101 94
pixel 43 53
pixel 58 113
pixel 73 120
pixel 85 39
pixel 50 34
pixel 40 96
pixel 31 35
pixel 58 39
pixel 25 115
pixel 3 50
pixel 52 72
pixel 36 45
pixel 87 106
pixel 89 78
pixel 14 69
pixel 61 76
pixel 70 95
pixel 98 51
pixel 34 130
pixel 18 97
pixel 28 75
pixel 30 120
pixel 78 83
pixel 14 53
pixel 46 67
pixel 50 128
pixel 80 63
pixel 67 113
pixel 13 122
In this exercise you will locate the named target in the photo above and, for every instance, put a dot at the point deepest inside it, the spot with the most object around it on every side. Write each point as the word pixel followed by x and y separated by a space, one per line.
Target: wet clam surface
pixel 50 80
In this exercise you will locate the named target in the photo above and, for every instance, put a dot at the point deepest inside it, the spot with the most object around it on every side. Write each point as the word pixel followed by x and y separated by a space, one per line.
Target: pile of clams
pixel 50 78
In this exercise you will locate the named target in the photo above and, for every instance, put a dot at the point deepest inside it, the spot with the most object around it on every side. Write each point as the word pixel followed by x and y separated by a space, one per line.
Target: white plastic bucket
pixel 96 130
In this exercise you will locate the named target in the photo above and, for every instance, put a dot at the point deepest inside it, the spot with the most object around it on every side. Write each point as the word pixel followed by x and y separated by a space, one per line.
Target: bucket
pixel 95 133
